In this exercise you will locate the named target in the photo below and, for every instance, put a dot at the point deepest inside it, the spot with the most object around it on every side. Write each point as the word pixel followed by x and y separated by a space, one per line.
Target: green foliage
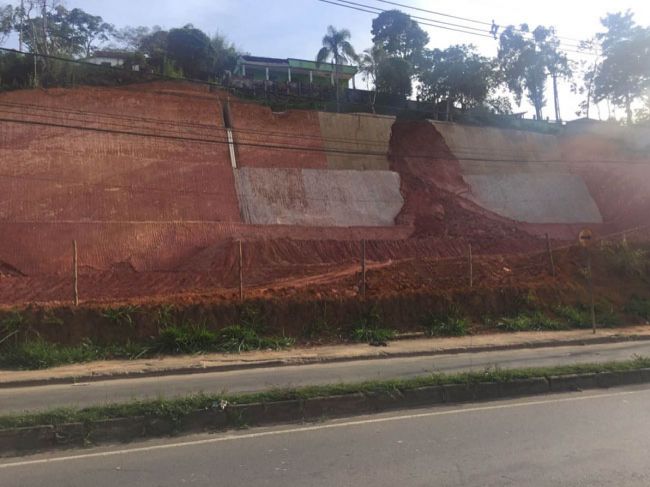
pixel 398 35
pixel 191 50
pixel 450 322
pixel 623 75
pixel 394 78
pixel 458 76
pixel 41 354
pixel 369 328
pixel 526 59
pixel 535 321
pixel 185 339
pixel 122 315
pixel 627 260
pixel 639 307
pixel 576 317
pixel 319 327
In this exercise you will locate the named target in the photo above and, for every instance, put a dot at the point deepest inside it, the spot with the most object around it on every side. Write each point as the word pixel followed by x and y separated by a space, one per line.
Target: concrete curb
pixel 20 441
pixel 319 360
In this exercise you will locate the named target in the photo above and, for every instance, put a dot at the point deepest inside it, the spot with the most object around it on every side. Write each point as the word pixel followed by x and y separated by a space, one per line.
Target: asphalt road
pixel 588 439
pixel 253 380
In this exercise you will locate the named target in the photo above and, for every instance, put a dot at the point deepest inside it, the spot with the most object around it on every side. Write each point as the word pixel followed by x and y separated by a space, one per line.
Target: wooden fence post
pixel 75 273
pixel 363 268
pixel 550 255
pixel 471 267
pixel 241 272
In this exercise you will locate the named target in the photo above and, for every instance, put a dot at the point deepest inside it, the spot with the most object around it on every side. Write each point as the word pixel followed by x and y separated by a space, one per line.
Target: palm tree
pixel 337 47
pixel 368 65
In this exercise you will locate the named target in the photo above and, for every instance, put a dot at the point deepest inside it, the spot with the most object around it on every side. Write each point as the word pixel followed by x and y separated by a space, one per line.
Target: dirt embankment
pixel 433 188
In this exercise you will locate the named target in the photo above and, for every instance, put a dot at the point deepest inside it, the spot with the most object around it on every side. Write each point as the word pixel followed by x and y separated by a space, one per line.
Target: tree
pixel 58 31
pixel 337 48
pixel 457 76
pixel 555 60
pixel 624 75
pixel 368 67
pixel 587 70
pixel 523 65
pixel 6 22
pixel 130 38
pixel 224 54
pixel 394 78
pixel 88 29
pixel 399 35
pixel 191 50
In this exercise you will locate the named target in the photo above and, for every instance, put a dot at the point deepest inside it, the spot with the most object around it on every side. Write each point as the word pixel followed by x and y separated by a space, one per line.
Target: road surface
pixel 595 438
pixel 253 380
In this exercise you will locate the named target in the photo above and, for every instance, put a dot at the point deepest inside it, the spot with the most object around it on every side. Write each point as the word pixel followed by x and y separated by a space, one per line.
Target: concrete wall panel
pixel 356 133
pixel 318 197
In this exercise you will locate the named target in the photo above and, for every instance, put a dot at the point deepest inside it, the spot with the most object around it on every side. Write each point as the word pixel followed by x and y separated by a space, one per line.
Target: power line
pixel 319 149
pixel 378 10
pixel 481 22
pixel 482 30
pixel 428 22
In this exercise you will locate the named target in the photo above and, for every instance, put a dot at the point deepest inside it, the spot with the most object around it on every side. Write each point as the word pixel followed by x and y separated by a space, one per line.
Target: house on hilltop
pixel 114 59
pixel 293 71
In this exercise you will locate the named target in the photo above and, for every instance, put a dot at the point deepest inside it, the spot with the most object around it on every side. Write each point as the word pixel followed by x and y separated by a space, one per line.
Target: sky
pixel 294 28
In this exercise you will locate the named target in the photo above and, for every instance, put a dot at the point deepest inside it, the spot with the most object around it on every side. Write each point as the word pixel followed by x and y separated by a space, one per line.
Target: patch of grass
pixel 450 322
pixel 179 339
pixel 369 328
pixel 173 339
pixel 579 316
pixel 534 321
pixel 196 338
pixel 176 409
pixel 40 354
pixel 575 316
pixel 122 315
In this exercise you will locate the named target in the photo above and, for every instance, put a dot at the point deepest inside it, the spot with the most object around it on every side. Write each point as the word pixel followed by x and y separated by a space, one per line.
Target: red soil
pixel 258 125
pixel 157 218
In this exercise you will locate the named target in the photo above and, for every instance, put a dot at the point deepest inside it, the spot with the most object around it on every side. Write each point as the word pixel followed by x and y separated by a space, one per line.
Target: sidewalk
pixel 175 365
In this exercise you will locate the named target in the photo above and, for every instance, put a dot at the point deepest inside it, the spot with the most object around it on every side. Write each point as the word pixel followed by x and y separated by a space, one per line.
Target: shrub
pixel 369 328
pixel 629 261
pixel 450 322
pixel 639 307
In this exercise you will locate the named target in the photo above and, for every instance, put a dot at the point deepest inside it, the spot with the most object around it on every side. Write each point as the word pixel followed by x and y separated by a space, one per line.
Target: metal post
pixel 75 273
pixel 363 269
pixel 550 255
pixel 471 268
pixel 241 273
pixel 591 291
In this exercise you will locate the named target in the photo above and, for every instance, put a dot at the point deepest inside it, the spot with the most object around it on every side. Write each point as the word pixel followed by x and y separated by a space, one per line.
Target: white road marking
pixel 303 429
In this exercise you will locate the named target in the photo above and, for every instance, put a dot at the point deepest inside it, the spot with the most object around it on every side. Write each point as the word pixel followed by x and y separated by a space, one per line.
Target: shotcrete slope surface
pixel 318 197
pixel 519 175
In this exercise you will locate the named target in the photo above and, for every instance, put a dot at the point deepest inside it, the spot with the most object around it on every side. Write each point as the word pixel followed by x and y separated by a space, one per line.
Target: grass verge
pixel 176 409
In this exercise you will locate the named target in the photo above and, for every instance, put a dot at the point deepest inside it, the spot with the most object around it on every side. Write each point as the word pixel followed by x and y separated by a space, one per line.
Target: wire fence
pixel 244 269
